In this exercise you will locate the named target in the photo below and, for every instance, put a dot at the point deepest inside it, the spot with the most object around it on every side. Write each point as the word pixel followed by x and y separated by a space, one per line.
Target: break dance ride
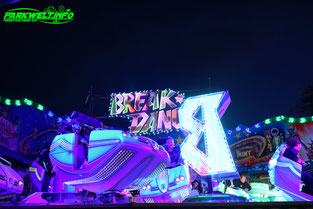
pixel 106 163
pixel 285 174
pixel 10 181
pixel 88 163
pixel 172 185
pixel 88 159
pixel 116 161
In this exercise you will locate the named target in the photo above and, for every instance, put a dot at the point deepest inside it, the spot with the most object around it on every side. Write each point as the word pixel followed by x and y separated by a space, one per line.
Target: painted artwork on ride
pixel 26 127
pixel 8 130
pixel 256 144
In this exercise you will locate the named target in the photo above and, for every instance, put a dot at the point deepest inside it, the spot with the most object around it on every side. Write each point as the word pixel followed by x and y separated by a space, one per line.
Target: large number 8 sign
pixel 216 158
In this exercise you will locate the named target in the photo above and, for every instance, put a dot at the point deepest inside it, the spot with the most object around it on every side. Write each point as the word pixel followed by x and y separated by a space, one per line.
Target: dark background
pixel 261 51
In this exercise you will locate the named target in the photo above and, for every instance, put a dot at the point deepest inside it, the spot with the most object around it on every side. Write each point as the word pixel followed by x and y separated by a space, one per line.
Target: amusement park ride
pixel 89 163
pixel 10 181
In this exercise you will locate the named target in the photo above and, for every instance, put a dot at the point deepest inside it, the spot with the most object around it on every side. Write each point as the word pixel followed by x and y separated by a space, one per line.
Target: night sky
pixel 262 52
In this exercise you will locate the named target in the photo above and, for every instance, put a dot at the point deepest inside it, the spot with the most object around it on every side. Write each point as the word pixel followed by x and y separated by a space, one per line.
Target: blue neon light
pixel 257 125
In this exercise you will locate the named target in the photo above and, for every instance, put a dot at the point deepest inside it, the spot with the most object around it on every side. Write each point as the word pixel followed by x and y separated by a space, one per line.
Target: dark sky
pixel 261 51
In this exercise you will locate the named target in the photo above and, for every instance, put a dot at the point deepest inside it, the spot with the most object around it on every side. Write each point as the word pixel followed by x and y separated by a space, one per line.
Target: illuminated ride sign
pixel 149 111
pixel 158 111
pixel 216 158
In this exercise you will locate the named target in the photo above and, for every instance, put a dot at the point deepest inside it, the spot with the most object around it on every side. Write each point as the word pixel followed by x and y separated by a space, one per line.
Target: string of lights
pixel 28 102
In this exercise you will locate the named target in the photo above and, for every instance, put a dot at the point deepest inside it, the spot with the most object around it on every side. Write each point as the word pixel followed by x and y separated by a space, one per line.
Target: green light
pixel 302 120
pixel 28 102
pixel 7 101
pixel 291 120
pixel 282 117
pixel 267 121
pixel 18 103
pixel 55 17
pixel 278 118
pixel 40 107
pixel 312 118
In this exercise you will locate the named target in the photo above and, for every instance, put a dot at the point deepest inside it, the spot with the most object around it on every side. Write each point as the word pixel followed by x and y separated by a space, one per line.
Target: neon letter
pixel 139 100
pixel 175 123
pixel 164 119
pixel 139 120
pixel 217 158
pixel 117 101
pixel 153 101
pixel 151 123
pixel 166 99
pixel 128 98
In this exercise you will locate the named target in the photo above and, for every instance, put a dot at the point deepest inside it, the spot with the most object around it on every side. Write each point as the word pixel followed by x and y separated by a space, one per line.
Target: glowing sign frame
pixel 150 112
